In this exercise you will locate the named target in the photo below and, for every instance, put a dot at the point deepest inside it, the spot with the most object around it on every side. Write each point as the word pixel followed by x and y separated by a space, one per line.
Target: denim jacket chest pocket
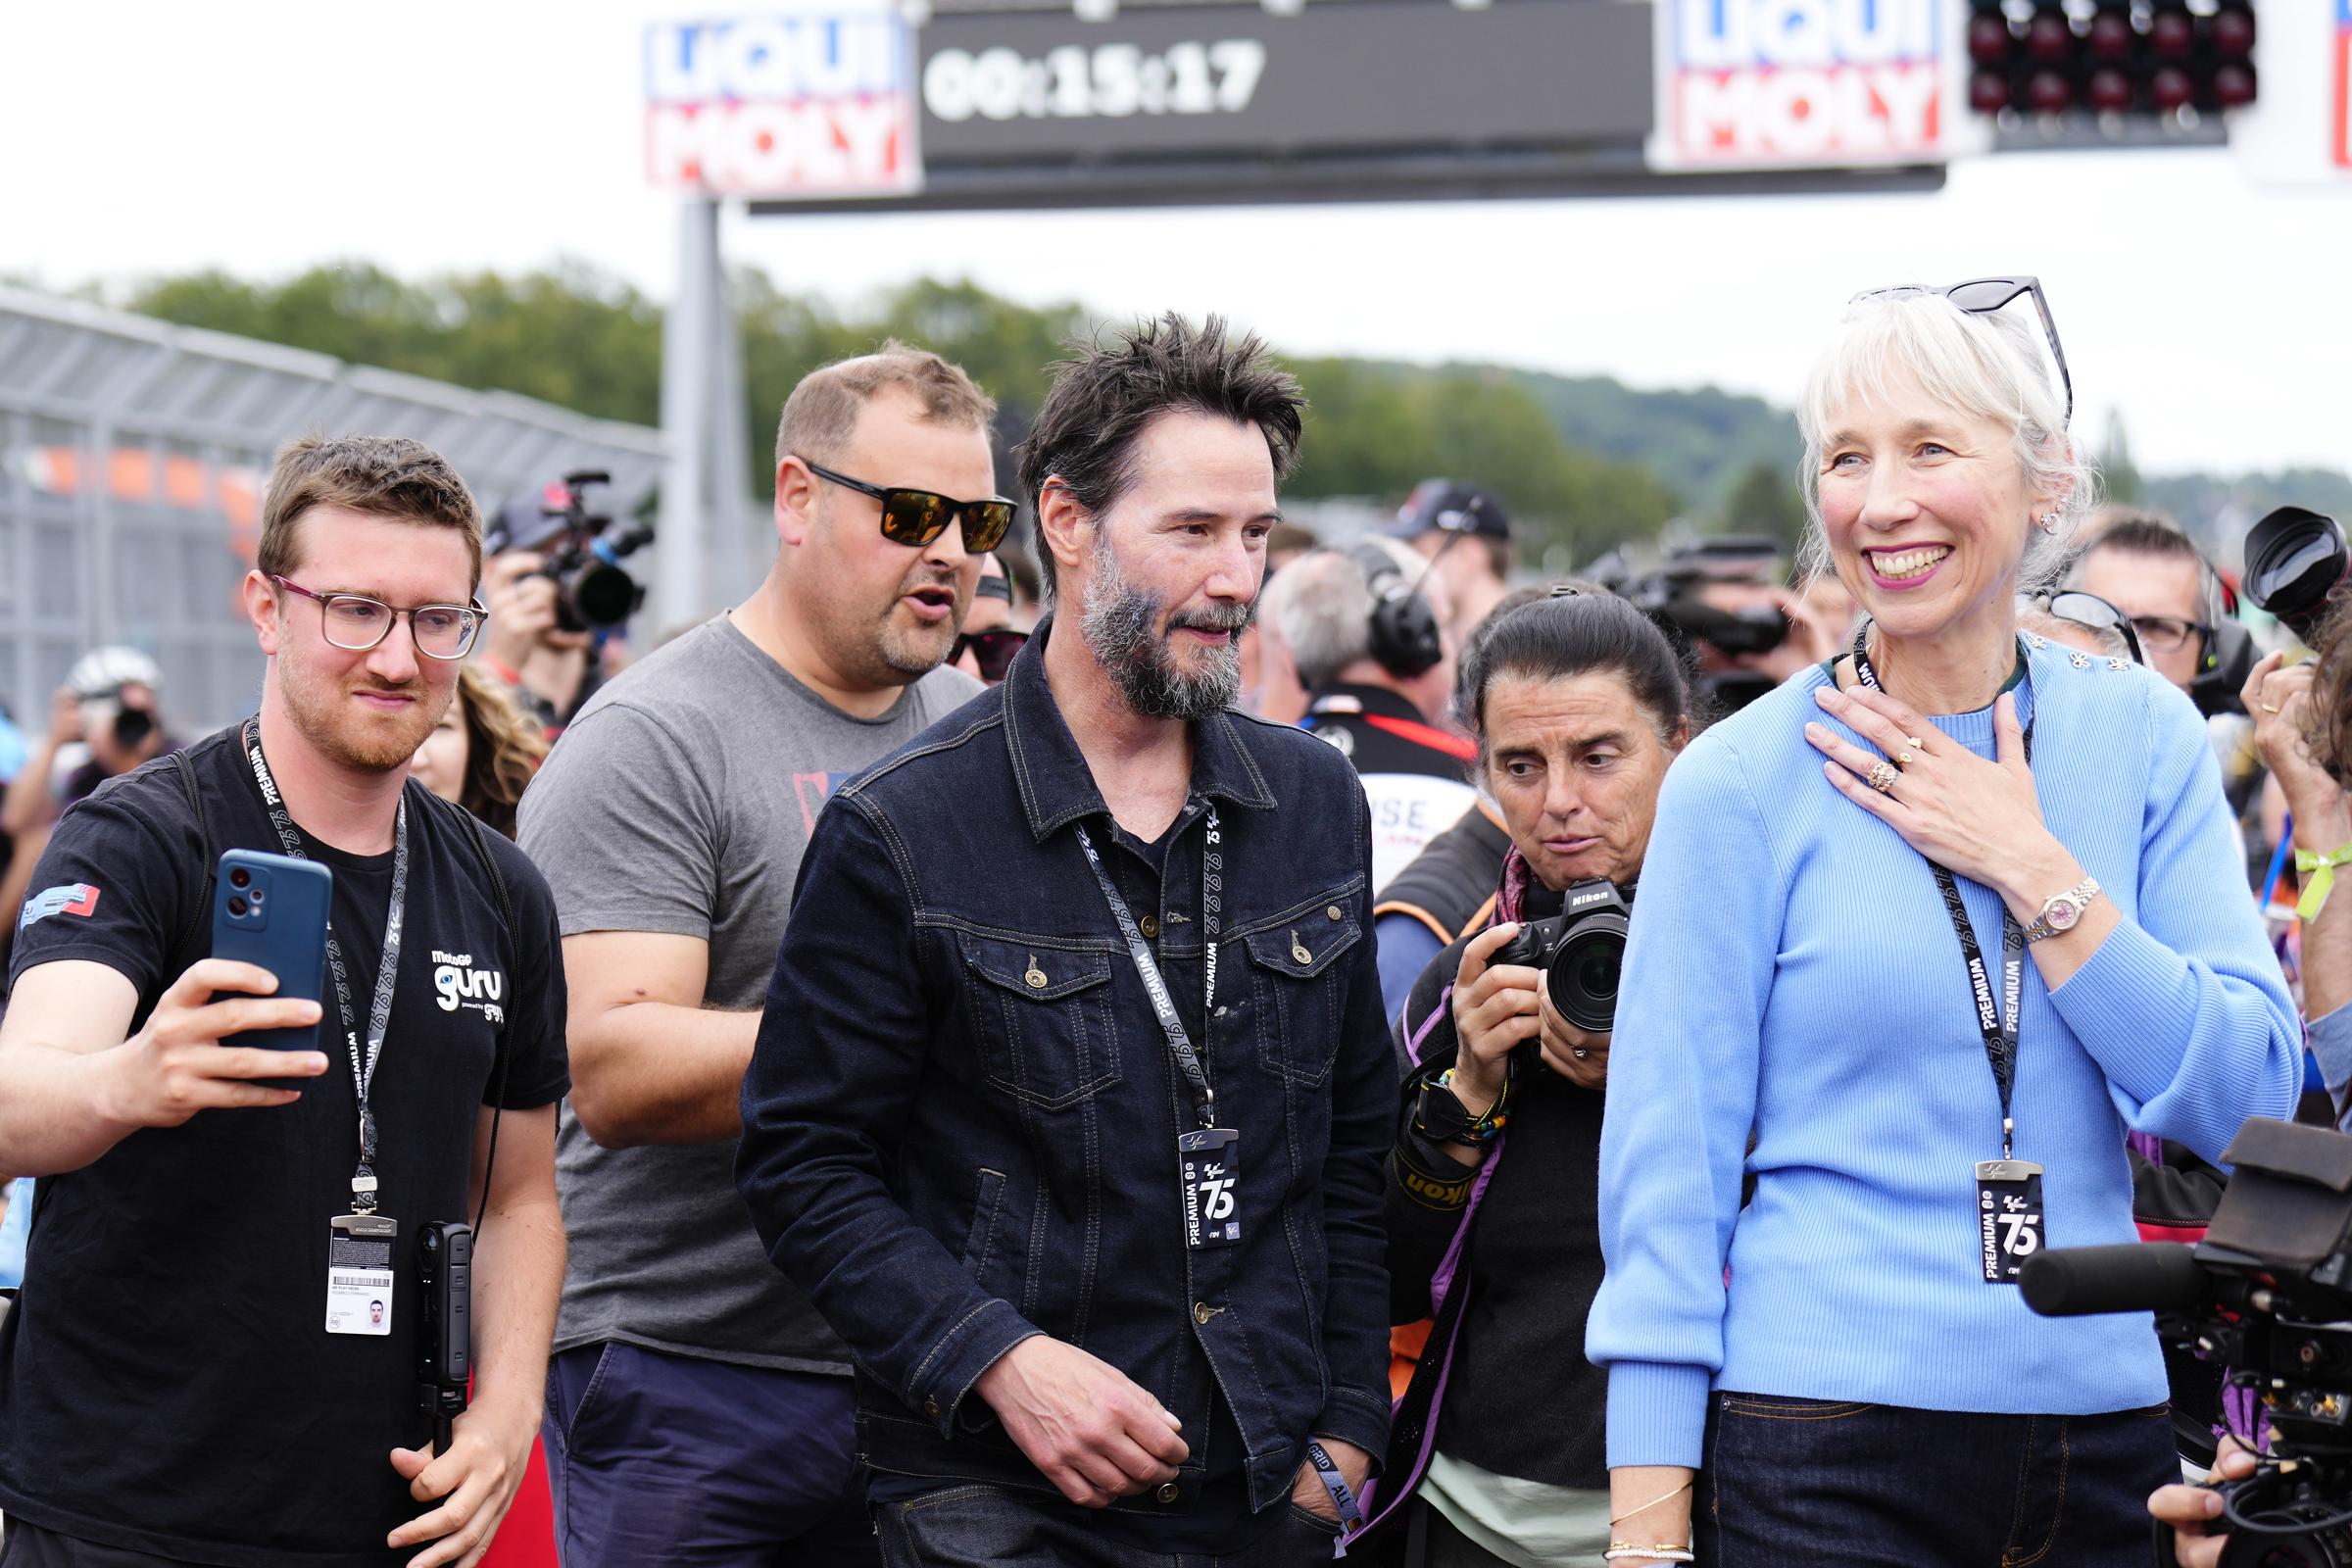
pixel 1295 977
pixel 1043 1020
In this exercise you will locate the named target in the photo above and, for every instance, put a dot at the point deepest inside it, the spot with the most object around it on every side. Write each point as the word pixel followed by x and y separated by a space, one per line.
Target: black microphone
pixel 2133 1277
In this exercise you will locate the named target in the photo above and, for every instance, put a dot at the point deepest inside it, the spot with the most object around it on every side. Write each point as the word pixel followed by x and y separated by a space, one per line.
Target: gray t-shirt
pixel 680 800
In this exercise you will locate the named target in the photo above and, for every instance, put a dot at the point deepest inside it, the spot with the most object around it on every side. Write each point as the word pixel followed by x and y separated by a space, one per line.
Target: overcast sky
pixel 261 138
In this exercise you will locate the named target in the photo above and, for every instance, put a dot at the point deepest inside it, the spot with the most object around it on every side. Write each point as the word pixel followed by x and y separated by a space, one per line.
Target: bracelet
pixel 2319 874
pixel 1661 1552
pixel 1486 1126
pixel 1636 1514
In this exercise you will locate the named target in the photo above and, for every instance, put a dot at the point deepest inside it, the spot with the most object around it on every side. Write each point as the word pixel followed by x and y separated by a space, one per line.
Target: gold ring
pixel 1883 775
pixel 2270 708
pixel 1904 758
pixel 1915 743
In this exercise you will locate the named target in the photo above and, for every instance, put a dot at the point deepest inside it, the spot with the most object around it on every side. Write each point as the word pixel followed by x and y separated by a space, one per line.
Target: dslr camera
pixel 2268 1293
pixel 594 591
pixel 1579 951
pixel 2296 561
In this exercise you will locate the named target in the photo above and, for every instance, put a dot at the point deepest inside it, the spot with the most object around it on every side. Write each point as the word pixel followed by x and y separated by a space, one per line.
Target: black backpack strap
pixel 506 914
pixel 203 911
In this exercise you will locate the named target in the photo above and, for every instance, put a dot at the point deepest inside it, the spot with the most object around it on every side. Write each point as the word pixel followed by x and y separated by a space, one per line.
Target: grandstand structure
pixel 133 456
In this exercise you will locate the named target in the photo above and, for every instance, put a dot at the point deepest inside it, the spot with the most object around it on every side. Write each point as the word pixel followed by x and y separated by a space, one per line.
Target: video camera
pixel 2268 1293
pixel 1672 594
pixel 594 592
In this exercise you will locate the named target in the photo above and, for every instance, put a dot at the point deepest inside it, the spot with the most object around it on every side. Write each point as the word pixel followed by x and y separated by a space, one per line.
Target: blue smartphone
pixel 270 910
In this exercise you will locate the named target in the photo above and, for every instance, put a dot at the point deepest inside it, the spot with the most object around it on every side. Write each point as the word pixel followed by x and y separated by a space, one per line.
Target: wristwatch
pixel 2063 912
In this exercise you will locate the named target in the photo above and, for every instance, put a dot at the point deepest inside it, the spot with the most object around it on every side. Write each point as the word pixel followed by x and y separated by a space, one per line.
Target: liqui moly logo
pixel 812 103
pixel 1809 83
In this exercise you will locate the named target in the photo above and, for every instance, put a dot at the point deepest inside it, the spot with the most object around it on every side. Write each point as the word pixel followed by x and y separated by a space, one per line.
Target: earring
pixel 2048 522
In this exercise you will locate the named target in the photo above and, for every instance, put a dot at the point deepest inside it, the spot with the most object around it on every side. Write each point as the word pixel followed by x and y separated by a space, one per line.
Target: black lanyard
pixel 380 1009
pixel 1996 1018
pixel 1212 889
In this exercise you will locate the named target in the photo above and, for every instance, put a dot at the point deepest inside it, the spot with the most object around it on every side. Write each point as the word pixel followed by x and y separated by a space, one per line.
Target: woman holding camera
pixel 1578 704
pixel 1923 933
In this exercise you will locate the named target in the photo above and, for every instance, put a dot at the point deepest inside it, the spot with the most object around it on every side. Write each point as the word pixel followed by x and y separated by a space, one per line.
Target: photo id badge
pixel 2009 1217
pixel 359 1274
pixel 1212 1187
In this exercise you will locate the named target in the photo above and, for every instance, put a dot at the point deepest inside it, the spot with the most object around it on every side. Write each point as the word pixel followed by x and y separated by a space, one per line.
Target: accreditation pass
pixel 359 1276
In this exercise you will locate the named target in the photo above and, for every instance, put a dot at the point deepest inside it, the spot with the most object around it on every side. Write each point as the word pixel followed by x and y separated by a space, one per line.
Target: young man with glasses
pixel 698 1406
pixel 178 1385
pixel 1070 1109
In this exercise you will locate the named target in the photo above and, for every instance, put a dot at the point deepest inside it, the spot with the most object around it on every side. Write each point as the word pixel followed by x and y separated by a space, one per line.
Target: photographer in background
pixel 1579 704
pixel 548 670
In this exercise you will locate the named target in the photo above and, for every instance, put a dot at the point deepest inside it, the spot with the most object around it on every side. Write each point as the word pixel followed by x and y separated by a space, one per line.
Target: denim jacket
pixel 961 1118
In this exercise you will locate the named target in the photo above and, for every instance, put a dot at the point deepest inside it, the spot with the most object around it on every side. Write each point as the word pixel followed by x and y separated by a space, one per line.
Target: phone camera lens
pixel 256 896
pixel 236 906
pixel 240 877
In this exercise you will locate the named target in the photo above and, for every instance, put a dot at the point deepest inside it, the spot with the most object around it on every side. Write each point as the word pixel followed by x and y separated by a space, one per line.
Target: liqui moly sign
pixel 799 104
pixel 1810 84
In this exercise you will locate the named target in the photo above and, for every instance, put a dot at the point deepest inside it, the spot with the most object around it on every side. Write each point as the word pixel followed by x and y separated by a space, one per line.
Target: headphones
pixel 2228 657
pixel 1405 638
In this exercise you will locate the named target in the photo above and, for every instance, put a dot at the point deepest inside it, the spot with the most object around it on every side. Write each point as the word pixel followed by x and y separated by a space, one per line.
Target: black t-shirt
pixel 166 1384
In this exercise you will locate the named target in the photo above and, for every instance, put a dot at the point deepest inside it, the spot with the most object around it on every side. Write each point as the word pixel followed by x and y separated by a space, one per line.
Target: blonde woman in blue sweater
pixel 1839 1118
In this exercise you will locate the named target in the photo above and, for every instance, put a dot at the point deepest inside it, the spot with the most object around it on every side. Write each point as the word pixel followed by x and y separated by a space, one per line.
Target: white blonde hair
pixel 1983 365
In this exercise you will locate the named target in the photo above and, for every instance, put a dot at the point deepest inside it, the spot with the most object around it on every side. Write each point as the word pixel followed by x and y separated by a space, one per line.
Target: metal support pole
pixel 690 409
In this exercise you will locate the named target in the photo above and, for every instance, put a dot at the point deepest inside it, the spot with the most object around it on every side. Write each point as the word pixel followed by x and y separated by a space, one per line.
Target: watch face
pixel 2062 915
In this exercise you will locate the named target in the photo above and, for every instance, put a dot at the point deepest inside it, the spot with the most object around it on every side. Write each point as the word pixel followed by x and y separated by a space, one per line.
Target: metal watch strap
pixel 2079 895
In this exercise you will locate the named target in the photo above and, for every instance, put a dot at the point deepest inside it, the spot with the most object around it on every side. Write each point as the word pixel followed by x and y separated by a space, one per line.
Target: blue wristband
pixel 1352 1517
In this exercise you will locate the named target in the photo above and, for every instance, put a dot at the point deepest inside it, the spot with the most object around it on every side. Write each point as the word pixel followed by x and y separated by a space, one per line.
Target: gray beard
pixel 1118 622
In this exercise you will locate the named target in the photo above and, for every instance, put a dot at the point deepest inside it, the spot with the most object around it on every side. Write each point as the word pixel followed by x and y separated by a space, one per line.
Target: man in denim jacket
pixel 1077 1342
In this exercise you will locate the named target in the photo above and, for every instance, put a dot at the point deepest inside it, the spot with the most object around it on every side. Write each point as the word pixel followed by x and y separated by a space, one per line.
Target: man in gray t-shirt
pixel 697 1407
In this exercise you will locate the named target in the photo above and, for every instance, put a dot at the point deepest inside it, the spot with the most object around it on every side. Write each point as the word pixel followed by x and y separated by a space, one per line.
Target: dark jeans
pixel 655 1459
pixel 1801 1482
pixel 997 1527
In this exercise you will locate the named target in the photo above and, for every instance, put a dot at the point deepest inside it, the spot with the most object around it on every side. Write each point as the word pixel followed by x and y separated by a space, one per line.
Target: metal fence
pixel 133 457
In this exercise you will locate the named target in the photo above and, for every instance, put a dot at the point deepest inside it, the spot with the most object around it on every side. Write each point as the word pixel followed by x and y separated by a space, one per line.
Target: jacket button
pixel 1167 1491
pixel 931 1408
pixel 1203 1312
pixel 1331 912
pixel 1151 925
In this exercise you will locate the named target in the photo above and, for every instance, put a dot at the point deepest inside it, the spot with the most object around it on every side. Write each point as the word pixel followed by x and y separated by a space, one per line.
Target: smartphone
pixel 270 910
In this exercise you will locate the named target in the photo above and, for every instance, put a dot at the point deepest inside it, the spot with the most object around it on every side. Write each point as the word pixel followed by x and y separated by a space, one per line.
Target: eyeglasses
pixel 2089 610
pixel 2169 634
pixel 355 622
pixel 991 651
pixel 918 517
pixel 1982 296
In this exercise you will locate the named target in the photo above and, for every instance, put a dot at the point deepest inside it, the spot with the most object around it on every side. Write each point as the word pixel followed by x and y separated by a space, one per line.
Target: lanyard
pixel 1996 1018
pixel 1212 899
pixel 379 1007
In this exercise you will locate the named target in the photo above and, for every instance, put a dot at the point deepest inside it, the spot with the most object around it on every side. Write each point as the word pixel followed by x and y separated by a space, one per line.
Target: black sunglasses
pixel 991 651
pixel 918 517
pixel 1982 296
pixel 2089 610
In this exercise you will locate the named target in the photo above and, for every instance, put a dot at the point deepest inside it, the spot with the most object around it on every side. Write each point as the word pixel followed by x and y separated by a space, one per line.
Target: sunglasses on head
pixel 1982 296
pixel 918 517
pixel 991 651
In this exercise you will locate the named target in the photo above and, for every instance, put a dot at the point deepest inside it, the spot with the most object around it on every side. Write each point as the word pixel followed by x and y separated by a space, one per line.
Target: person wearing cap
pixel 104 720
pixel 1465 535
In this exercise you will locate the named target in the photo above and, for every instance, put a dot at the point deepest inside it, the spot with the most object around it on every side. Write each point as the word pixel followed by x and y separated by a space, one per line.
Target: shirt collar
pixel 1056 786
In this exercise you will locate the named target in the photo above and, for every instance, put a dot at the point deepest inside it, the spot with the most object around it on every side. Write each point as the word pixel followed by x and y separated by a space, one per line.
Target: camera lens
pixel 240 877
pixel 256 896
pixel 1584 973
pixel 236 906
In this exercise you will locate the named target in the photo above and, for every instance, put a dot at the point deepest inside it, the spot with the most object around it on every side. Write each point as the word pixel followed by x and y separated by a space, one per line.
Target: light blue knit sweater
pixel 1792 971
